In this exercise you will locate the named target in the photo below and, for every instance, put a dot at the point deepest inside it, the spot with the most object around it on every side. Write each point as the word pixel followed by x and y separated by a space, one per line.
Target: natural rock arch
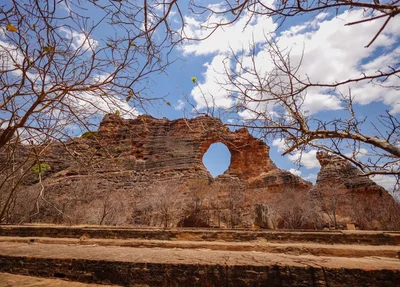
pixel 183 142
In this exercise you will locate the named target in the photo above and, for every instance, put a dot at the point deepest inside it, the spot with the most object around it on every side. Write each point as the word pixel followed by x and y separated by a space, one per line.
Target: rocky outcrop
pixel 148 171
pixel 336 171
pixel 264 216
pixel 161 144
pixel 346 195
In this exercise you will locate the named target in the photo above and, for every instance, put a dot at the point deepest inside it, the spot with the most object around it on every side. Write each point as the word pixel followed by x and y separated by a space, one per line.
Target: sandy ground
pixel 12 280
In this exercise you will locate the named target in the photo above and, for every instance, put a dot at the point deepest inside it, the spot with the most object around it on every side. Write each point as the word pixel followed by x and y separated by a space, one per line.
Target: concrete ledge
pixel 317 249
pixel 182 267
pixel 328 237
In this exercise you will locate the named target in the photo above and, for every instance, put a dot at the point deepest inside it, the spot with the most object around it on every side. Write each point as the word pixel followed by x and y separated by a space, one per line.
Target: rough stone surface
pixel 341 190
pixel 337 171
pixel 166 264
pixel 148 171
pixel 198 234
pixel 117 167
pixel 161 144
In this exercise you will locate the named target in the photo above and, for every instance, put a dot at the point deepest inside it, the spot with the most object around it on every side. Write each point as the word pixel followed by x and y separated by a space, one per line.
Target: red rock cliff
pixel 180 144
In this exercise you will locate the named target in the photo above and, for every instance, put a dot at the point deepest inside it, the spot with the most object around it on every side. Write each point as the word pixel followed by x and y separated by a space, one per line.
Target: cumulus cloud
pixel 295 171
pixel 87 104
pixel 314 103
pixel 180 105
pixel 209 93
pixel 234 37
pixel 307 159
pixel 279 144
pixel 328 50
pixel 79 40
pixel 386 181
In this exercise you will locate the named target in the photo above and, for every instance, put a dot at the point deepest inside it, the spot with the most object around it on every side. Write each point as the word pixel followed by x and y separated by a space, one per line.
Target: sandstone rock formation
pixel 149 171
pixel 337 171
pixel 161 144
pixel 345 194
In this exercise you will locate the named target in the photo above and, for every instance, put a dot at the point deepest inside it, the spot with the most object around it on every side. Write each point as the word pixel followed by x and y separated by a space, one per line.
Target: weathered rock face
pixel 160 144
pixel 337 171
pixel 148 171
pixel 345 195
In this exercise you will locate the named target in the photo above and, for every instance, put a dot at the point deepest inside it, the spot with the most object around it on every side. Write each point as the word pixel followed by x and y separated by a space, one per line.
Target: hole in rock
pixel 217 159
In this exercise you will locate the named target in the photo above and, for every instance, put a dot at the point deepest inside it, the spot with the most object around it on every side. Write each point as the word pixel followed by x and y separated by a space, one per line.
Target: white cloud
pixel 314 103
pixel 92 103
pixel 335 52
pixel 208 93
pixel 280 144
pixel 65 6
pixel 295 171
pixel 311 177
pixel 80 40
pixel 11 59
pixel 180 105
pixel 236 37
pixel 386 181
pixel 307 159
pixel 329 51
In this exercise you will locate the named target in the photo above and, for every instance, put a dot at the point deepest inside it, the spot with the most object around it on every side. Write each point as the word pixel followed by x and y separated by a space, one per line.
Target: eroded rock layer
pixel 148 171
pixel 161 144
pixel 338 172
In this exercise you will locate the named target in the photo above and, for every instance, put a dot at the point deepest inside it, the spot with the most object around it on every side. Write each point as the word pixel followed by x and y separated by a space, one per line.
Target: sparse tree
pixel 61 70
pixel 293 208
pixel 235 204
pixel 164 203
pixel 329 199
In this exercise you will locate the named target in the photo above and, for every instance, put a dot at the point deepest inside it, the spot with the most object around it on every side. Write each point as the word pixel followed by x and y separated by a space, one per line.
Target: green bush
pixel 41 168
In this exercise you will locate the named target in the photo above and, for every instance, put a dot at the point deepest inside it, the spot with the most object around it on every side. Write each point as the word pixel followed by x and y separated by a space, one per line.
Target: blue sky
pixel 331 52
